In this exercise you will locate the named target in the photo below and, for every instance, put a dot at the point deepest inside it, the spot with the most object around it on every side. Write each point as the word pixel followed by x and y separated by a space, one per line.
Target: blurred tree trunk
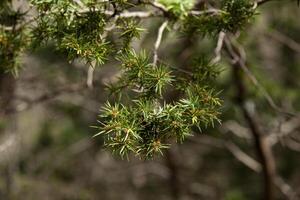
pixel 175 184
pixel 7 90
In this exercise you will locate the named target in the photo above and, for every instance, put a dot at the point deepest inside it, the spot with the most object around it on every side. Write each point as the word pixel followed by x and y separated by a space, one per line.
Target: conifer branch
pixel 148 124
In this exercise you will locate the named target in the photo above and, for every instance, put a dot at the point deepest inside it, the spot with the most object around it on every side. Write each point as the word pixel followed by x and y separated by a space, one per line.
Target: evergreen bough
pixel 140 120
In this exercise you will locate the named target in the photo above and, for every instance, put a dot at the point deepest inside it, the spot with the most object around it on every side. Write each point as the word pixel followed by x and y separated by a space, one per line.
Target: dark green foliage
pixel 237 14
pixel 12 45
pixel 82 32
pixel 13 39
pixel 76 31
pixel 204 72
pixel 129 29
pixel 232 16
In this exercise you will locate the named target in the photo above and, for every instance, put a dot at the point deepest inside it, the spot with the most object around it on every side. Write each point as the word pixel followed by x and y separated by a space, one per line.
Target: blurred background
pixel 47 151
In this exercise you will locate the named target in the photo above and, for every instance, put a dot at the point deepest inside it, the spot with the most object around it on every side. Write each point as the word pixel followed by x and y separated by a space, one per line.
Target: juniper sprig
pixel 96 31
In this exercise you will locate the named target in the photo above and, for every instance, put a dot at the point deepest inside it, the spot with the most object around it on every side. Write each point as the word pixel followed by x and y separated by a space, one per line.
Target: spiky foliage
pixel 141 76
pixel 129 30
pixel 149 124
pixel 76 31
pixel 140 121
pixel 80 29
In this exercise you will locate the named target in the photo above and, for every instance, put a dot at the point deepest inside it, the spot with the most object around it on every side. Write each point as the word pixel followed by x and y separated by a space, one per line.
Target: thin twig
pixel 133 14
pixel 90 75
pixel 158 41
pixel 218 48
pixel 208 11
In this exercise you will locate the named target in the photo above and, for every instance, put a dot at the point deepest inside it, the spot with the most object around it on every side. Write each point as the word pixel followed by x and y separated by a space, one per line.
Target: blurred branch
pixel 237 54
pixel 5 146
pixel 262 146
pixel 49 96
pixel 293 145
pixel 248 161
pixel 286 189
pixel 243 157
pixel 285 129
pixel 236 128
pixel 256 166
pixel 280 37
pixel 261 2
